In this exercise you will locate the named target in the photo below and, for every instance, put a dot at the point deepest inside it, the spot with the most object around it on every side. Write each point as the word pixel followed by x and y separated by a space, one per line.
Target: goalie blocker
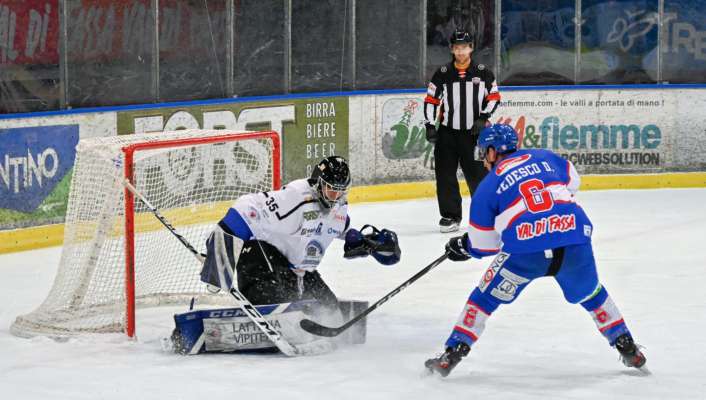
pixel 229 330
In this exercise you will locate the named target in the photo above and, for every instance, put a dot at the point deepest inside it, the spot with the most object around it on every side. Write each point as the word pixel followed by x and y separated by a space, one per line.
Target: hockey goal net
pixel 117 256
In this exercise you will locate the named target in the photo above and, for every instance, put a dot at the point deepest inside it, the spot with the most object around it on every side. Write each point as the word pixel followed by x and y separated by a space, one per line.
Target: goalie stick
pixel 320 330
pixel 273 334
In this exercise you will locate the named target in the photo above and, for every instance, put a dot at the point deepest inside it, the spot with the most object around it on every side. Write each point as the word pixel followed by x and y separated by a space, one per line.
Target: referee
pixel 466 95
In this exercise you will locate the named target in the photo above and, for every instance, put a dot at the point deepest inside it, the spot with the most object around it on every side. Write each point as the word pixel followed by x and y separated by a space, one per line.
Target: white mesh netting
pixel 192 186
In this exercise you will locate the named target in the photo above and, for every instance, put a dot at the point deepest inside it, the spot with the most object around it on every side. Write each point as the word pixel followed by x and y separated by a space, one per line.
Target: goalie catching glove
pixel 381 244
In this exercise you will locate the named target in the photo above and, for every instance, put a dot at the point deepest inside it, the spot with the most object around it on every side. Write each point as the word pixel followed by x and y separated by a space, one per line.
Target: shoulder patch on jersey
pixel 253 214
pixel 443 69
pixel 510 163
pixel 481 67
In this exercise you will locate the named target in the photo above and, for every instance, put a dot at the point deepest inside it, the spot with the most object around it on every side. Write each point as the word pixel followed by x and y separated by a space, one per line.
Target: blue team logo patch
pixel 32 162
pixel 313 253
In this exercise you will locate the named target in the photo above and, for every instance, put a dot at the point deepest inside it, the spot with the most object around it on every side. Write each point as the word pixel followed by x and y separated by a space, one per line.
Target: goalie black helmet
pixel 331 179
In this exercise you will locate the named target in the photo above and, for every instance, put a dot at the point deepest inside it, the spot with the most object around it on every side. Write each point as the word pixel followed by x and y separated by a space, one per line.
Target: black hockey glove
pixel 431 133
pixel 480 123
pixel 456 248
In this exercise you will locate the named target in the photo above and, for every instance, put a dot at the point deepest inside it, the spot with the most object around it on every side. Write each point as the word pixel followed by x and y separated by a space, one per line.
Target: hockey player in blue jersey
pixel 525 214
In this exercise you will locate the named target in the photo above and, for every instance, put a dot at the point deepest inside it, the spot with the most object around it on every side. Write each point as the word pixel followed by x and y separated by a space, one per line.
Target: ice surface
pixel 649 245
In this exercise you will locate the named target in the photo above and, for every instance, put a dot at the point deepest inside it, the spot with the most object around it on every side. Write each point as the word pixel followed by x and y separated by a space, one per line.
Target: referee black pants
pixel 453 148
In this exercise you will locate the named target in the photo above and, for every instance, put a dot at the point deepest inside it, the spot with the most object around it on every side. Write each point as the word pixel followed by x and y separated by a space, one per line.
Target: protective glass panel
pixel 320 45
pixel 684 53
pixel 110 50
pixel 619 41
pixel 538 42
pixel 259 62
pixel 29 56
pixel 445 16
pixel 192 49
pixel 388 44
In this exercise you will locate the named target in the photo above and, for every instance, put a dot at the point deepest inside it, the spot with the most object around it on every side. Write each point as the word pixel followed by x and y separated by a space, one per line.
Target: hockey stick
pixel 320 330
pixel 199 256
pixel 273 334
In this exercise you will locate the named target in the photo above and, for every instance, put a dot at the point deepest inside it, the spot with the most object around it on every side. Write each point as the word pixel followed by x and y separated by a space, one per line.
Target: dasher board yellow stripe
pixel 415 190
pixel 53 235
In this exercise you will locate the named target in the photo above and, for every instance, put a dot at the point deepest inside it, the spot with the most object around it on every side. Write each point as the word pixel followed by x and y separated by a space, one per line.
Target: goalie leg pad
pixel 223 251
pixel 229 330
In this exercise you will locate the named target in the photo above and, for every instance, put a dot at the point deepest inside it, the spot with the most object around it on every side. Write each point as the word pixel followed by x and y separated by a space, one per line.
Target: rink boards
pixel 618 137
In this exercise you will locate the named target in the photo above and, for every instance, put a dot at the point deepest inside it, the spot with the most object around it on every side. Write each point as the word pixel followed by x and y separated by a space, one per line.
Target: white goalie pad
pixel 230 330
pixel 223 251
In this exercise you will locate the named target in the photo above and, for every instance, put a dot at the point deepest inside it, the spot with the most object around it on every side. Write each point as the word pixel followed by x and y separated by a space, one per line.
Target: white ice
pixel 650 248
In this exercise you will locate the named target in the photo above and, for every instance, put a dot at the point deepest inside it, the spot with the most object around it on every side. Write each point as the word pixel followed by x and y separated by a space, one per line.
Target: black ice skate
pixel 448 225
pixel 447 361
pixel 630 354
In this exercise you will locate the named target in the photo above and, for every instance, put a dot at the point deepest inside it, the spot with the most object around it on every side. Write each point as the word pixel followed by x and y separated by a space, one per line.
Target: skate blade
pixel 425 373
pixel 635 371
pixel 429 373
pixel 644 370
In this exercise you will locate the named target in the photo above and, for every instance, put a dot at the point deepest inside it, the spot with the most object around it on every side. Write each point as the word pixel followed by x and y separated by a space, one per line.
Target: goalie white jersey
pixel 293 220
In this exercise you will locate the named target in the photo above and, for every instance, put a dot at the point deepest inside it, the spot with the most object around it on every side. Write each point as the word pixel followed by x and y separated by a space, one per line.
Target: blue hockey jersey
pixel 526 204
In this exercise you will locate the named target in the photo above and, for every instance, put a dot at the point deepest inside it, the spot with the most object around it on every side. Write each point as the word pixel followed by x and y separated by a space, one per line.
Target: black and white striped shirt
pixel 463 95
